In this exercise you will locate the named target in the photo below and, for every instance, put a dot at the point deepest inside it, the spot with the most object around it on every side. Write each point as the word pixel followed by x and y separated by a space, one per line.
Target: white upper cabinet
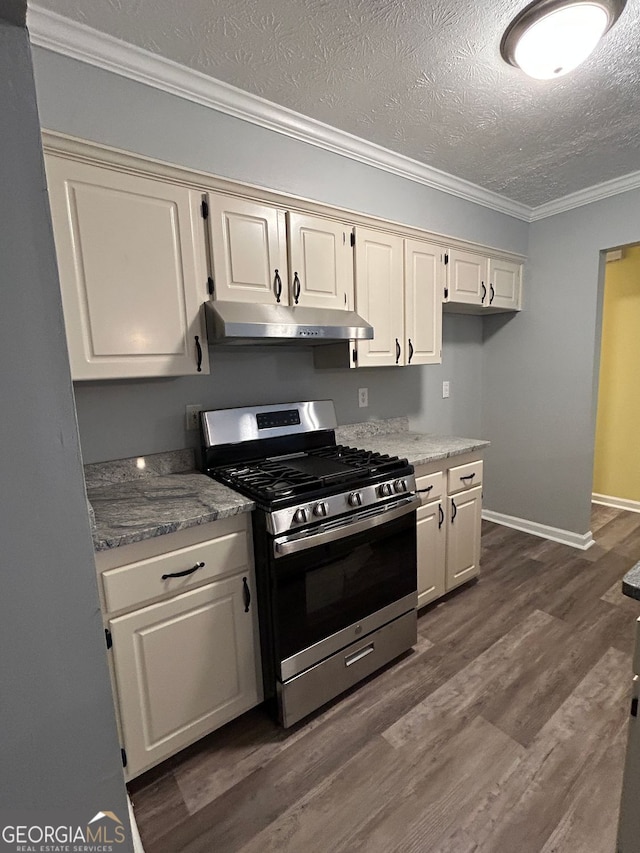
pixel 248 245
pixel 379 278
pixel 132 265
pixel 399 287
pixel 505 281
pixel 320 262
pixel 466 277
pixel 424 286
pixel 481 284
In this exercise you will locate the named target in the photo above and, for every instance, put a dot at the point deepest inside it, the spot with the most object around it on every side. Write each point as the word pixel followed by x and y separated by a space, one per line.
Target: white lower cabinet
pixel 189 662
pixel 431 537
pixel 448 525
pixel 464 518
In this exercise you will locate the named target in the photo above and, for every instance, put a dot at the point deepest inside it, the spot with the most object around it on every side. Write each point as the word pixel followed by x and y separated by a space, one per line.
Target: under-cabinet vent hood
pixel 247 323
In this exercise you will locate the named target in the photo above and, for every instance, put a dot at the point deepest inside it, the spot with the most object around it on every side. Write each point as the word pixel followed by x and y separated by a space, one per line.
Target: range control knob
pixel 300 516
pixel 385 490
pixel 400 485
pixel 321 509
pixel 355 499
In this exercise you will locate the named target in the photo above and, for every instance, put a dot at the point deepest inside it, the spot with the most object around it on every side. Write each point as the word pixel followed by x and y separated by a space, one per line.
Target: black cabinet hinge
pixel 355 356
pixel 446 293
pixel 123 755
pixel 205 209
pixel 108 638
pixel 210 285
pixel 634 706
pixel 353 239
pixel 446 258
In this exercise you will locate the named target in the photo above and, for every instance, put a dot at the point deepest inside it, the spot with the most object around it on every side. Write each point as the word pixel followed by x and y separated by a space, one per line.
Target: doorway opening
pixel 616 468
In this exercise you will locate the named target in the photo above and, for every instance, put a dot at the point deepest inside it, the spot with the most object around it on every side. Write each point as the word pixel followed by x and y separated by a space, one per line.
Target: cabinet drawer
pixel 135 583
pixel 430 487
pixel 464 477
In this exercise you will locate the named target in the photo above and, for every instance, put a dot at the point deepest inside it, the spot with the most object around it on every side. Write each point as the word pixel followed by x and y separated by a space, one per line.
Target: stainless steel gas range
pixel 335 548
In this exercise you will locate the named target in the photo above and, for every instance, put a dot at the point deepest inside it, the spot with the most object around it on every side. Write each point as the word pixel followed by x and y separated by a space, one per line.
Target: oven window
pixel 327 588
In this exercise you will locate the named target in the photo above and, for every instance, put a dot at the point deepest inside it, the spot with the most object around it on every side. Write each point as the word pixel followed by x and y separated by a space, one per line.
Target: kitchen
pixel 505 381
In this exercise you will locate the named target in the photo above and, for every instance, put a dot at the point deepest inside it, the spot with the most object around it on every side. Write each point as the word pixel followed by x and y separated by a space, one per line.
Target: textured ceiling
pixel 419 77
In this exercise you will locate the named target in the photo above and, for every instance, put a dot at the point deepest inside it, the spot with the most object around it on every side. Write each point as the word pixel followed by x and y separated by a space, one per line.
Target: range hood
pixel 248 323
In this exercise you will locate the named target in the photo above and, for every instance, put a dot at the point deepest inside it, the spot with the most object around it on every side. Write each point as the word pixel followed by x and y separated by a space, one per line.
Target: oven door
pixel 340 581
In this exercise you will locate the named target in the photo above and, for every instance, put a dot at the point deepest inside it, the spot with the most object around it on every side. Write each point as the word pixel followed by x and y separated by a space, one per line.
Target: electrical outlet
pixel 363 397
pixel 445 390
pixel 192 417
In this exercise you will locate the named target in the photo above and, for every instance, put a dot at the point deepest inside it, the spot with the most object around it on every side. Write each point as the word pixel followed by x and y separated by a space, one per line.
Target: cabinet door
pixel 248 244
pixel 431 536
pixel 132 263
pixel 504 285
pixel 320 262
pixel 463 536
pixel 380 296
pixel 467 277
pixel 423 290
pixel 184 667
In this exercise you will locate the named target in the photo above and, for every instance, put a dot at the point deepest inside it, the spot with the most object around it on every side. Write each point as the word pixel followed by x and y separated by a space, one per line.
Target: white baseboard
pixel 135 835
pixel 616 503
pixel 556 534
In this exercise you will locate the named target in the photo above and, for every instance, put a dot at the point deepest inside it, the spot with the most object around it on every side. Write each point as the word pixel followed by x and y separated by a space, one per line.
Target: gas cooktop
pixel 286 459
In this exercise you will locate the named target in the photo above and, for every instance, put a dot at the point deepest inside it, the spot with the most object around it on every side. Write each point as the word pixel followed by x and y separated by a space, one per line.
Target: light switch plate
pixel 445 390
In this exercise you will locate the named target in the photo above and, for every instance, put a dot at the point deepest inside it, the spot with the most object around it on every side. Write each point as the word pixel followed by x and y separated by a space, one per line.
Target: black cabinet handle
pixel 199 354
pixel 410 350
pixel 296 288
pixel 397 351
pixel 277 286
pixel 493 293
pixel 455 510
pixel 484 293
pixel 468 476
pixel 424 491
pixel 246 594
pixel 440 516
pixel 185 573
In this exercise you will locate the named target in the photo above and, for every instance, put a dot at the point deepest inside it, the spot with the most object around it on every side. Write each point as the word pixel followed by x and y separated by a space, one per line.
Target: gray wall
pixel 540 368
pixel 58 749
pixel 119 419
pixel 128 418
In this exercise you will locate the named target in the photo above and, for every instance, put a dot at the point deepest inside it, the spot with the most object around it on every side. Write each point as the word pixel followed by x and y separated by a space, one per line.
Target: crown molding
pixel 586 196
pixel 69 38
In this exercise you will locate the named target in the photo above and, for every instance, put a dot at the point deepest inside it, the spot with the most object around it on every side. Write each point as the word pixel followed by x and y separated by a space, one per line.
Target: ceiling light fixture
pixel 549 38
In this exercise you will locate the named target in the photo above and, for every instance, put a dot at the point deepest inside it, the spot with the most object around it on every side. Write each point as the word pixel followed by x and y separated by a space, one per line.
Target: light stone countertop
pixel 631 582
pixel 143 497
pixel 146 496
pixel 417 448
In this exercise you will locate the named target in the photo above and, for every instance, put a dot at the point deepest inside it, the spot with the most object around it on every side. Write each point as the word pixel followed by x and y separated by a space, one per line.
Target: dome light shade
pixel 552 37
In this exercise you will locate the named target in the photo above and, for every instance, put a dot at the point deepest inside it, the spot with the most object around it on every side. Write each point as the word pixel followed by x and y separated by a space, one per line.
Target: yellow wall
pixel 617 456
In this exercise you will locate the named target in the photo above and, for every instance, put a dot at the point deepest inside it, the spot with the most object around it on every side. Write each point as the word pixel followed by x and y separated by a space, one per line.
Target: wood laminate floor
pixel 502 732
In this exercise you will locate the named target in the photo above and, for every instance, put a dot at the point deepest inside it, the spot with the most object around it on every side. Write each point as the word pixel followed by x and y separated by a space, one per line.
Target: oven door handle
pixel 302 542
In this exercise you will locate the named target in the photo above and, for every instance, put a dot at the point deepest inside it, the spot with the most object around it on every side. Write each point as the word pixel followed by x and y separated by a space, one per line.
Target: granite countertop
pixel 631 582
pixel 417 448
pixel 143 497
pixel 132 501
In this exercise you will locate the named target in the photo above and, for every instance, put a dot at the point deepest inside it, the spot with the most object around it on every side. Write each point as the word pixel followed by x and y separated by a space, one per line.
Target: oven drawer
pixel 141 581
pixel 303 694
pixel 430 487
pixel 464 477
